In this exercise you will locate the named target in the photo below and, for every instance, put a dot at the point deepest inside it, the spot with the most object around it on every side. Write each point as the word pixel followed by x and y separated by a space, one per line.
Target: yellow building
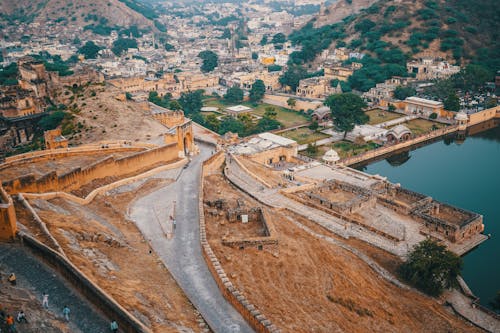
pixel 314 87
pixel 421 106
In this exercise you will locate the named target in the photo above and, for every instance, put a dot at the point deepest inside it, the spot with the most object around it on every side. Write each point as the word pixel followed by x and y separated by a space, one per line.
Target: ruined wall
pixel 247 310
pixel 8 220
pixel 106 167
pixel 469 223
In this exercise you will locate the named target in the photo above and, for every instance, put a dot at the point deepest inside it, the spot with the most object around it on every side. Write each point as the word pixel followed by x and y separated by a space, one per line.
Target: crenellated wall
pixel 106 167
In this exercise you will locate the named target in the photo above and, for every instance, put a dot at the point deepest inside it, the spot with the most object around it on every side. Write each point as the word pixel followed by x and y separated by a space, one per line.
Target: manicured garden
pixel 378 116
pixel 304 135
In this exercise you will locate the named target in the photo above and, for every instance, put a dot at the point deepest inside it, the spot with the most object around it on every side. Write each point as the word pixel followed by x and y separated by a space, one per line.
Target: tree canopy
pixel 452 103
pixel 191 102
pixel 123 44
pixel 347 111
pixel 402 93
pixel 292 76
pixel 89 50
pixel 210 60
pixel 431 267
pixel 234 95
pixel 258 90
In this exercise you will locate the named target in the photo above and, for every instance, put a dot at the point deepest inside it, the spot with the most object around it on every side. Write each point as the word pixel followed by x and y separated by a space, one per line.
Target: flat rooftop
pixel 262 142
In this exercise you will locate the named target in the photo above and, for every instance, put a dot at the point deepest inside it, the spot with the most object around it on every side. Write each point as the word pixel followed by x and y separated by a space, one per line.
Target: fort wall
pixel 248 311
pixel 79 281
pixel 483 116
pixel 8 220
pixel 106 167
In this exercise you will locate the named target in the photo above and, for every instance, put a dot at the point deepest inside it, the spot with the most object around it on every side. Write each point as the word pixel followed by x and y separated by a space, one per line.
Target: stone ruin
pixel 241 213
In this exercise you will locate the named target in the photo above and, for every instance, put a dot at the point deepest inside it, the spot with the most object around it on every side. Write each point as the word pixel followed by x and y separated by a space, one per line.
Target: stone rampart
pixel 248 311
pixel 482 116
pixel 106 167
pixel 98 297
pixel 44 155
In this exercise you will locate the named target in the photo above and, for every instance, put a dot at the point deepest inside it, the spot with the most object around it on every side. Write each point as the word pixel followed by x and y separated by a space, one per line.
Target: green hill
pixel 391 32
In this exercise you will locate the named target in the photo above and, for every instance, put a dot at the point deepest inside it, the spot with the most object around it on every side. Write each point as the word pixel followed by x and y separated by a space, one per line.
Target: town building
pixel 429 68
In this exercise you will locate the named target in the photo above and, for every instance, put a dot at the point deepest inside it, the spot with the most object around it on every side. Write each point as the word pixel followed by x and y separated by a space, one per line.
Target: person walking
pixel 45 300
pixel 11 326
pixel 66 311
pixel 21 317
pixel 114 326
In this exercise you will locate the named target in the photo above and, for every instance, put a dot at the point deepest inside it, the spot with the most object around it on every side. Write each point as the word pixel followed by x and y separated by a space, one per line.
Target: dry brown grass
pixel 315 286
pixel 112 252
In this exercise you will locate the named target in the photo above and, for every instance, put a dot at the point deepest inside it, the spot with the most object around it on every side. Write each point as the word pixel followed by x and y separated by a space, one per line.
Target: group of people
pixel 10 322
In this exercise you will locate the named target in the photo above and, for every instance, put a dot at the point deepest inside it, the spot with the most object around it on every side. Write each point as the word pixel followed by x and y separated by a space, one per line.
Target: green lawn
pixel 379 116
pixel 421 126
pixel 285 116
pixel 304 135
pixel 347 148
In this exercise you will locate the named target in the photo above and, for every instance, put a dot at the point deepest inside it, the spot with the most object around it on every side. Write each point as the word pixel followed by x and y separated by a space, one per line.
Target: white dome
pixel 331 156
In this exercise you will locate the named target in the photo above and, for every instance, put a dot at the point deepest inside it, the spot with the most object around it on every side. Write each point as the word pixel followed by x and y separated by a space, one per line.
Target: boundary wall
pixel 98 297
pixel 248 311
pixel 64 152
pixel 372 154
pixel 88 199
pixel 106 167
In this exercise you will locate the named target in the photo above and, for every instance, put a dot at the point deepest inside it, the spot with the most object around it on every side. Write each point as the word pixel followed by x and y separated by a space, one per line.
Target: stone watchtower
pixel 462 119
pixel 8 219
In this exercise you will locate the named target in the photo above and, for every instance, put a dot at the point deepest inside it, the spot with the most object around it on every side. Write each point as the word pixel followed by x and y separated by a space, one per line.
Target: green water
pixel 466 175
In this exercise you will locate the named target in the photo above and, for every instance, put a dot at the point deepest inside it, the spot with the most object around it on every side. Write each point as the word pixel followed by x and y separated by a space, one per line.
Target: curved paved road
pixel 182 253
pixel 32 274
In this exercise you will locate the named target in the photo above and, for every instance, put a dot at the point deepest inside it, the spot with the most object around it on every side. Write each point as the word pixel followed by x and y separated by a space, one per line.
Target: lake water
pixel 465 174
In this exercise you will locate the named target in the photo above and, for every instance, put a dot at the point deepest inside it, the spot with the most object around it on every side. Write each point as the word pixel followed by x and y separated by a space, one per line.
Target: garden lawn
pixel 304 135
pixel 347 149
pixel 286 117
pixel 378 116
pixel 421 126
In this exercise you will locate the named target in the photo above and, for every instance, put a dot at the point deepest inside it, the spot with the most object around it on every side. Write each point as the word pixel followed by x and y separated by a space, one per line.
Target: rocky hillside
pixel 122 13
pixel 340 9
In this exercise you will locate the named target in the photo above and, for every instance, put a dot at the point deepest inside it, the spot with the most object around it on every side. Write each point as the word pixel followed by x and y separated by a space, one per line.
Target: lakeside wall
pixel 384 150
pixel 248 311
pixel 106 167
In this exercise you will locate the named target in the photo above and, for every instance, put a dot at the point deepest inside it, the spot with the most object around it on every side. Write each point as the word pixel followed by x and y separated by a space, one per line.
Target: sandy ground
pixel 110 250
pixel 315 286
pixel 103 117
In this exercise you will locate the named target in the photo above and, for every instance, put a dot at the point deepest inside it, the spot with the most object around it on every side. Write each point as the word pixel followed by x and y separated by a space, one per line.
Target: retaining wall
pixel 106 167
pixel 99 298
pixel 248 311
pixel 371 154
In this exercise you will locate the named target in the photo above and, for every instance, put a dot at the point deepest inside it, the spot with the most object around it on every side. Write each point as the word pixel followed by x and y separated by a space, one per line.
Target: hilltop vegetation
pixel 390 32
pixel 95 15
